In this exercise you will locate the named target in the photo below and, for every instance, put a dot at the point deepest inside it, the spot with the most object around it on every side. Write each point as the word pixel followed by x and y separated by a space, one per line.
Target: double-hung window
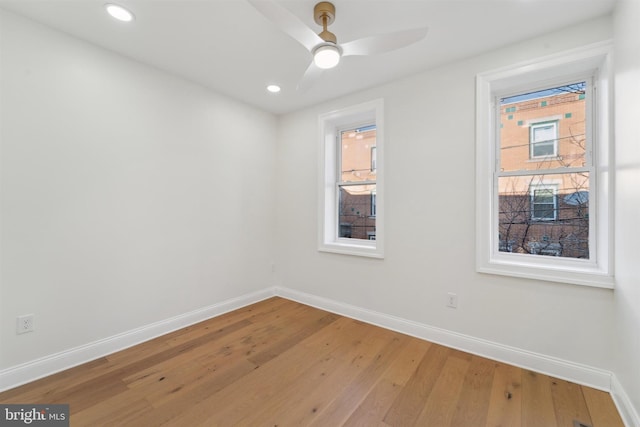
pixel 544 205
pixel 351 181
pixel 356 182
pixel 543 192
pixel 544 139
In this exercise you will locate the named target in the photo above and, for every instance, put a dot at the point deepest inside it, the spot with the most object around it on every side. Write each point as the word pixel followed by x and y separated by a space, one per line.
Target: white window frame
pixel 597 271
pixel 330 125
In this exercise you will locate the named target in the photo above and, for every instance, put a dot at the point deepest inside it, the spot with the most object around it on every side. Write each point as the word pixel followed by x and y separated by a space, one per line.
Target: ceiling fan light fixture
pixel 326 56
pixel 118 12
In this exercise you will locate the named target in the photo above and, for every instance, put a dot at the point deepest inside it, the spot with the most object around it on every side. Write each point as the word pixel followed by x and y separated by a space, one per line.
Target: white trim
pixel 329 125
pixel 548 365
pixel 598 270
pixel 573 61
pixel 48 365
pixel 629 415
pixel 559 368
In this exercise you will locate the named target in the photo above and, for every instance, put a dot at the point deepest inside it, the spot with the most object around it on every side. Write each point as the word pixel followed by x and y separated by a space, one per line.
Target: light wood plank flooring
pixel 280 363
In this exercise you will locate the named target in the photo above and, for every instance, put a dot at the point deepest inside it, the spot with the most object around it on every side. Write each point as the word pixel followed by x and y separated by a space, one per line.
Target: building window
pixel 373 203
pixel 351 188
pixel 543 188
pixel 543 204
pixel 373 159
pixel 543 140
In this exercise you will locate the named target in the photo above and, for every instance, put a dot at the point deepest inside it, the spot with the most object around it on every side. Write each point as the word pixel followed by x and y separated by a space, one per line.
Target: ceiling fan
pixel 324 46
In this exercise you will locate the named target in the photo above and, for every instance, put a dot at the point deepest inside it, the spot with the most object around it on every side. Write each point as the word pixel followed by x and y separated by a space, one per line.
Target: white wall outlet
pixel 25 323
pixel 452 300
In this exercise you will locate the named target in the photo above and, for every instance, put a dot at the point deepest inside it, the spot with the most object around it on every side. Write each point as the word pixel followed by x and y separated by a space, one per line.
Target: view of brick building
pixel 543 189
pixel 357 207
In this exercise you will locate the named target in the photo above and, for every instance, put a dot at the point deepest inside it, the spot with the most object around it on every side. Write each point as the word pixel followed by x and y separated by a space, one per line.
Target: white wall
pixel 430 202
pixel 128 195
pixel 627 196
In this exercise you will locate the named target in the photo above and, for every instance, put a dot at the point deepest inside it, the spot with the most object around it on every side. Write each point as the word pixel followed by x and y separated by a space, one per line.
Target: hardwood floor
pixel 280 363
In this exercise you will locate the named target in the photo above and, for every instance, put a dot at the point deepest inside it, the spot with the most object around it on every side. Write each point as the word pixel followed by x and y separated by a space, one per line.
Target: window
pixel 543 187
pixel 351 182
pixel 544 140
pixel 531 184
pixel 543 203
pixel 373 159
pixel 356 182
pixel 373 203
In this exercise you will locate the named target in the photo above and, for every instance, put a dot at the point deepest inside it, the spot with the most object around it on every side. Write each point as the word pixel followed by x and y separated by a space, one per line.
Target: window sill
pixel 586 276
pixel 354 249
pixel 543 159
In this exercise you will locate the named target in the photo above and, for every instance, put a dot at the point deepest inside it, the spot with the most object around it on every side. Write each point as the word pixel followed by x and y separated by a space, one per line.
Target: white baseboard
pixel 581 374
pixel 623 403
pixel 35 369
pixel 559 368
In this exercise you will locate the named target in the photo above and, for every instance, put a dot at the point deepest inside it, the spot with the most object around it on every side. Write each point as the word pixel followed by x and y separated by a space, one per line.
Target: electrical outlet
pixel 452 300
pixel 25 324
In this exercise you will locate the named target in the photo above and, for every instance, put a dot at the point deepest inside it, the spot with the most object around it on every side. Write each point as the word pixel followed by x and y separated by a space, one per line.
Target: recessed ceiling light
pixel 273 88
pixel 119 12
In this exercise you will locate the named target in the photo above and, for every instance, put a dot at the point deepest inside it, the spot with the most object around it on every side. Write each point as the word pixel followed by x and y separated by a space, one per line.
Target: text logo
pixel 34 415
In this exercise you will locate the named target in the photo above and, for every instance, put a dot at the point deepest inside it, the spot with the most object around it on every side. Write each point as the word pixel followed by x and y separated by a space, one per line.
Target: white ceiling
pixel 228 46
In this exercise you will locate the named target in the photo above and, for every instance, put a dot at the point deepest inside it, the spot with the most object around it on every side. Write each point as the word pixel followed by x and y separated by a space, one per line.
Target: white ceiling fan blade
pixel 287 22
pixel 383 43
pixel 310 76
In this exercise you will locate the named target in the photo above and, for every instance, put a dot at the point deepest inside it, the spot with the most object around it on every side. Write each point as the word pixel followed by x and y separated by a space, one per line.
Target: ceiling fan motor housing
pixel 324 13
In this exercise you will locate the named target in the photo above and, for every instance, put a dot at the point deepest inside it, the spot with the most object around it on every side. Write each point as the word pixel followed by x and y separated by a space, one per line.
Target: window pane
pixel 358 154
pixel 543 149
pixel 544 214
pixel 544 133
pixel 543 204
pixel 544 139
pixel 357 211
pixel 544 129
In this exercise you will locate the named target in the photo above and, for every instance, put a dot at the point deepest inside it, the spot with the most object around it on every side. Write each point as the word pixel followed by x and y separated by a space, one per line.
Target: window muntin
pixel 531 194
